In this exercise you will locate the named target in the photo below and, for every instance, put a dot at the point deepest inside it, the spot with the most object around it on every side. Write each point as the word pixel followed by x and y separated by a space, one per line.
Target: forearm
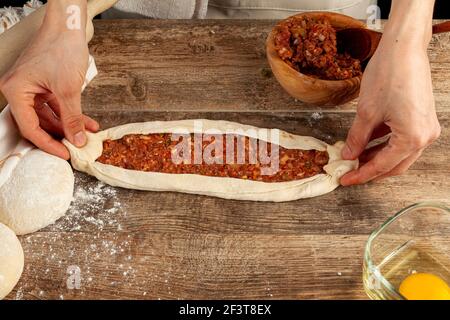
pixel 410 23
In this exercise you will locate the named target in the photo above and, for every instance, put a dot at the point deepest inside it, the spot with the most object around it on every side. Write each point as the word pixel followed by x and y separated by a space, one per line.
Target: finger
pixel 28 123
pixel 72 119
pixel 53 103
pixel 402 167
pixel 48 120
pixel 357 138
pixel 51 123
pixel 384 161
pixel 380 131
pixel 369 154
pixel 90 124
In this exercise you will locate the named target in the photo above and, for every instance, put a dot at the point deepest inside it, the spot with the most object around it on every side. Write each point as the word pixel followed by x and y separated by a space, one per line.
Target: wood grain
pixel 189 265
pixel 204 65
pixel 144 245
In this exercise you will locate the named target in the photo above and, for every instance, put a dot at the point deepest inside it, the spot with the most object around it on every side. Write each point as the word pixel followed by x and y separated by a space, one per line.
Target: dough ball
pixel 11 260
pixel 38 193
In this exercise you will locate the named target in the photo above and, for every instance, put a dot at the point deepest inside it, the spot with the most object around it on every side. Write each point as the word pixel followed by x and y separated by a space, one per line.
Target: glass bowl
pixel 416 239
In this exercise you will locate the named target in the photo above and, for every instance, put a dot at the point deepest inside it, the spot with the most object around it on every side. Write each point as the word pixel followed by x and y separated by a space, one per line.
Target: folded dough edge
pixel 84 159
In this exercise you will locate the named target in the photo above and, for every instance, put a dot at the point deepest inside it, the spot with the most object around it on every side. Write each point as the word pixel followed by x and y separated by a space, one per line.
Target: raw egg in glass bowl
pixel 424 286
pixel 408 257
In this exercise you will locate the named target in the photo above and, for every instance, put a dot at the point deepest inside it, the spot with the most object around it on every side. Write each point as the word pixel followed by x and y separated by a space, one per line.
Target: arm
pixel 43 87
pixel 396 96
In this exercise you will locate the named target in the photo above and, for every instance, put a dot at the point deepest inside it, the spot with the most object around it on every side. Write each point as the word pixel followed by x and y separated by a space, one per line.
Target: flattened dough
pixel 38 192
pixel 84 159
pixel 11 260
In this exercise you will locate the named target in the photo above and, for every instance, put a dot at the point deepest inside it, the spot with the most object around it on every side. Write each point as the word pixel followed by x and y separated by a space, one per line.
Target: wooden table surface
pixel 144 245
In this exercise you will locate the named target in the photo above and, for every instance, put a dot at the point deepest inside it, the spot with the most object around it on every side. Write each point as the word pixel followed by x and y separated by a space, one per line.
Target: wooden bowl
pixel 308 89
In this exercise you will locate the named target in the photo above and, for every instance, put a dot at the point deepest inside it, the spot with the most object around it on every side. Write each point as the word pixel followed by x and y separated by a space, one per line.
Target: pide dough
pixel 38 192
pixel 84 159
pixel 11 260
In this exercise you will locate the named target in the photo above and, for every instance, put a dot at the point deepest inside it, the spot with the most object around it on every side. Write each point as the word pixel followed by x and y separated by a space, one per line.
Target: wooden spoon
pixel 362 43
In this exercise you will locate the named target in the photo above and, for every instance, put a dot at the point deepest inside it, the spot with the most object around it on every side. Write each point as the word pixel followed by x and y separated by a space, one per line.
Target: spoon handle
pixel 441 27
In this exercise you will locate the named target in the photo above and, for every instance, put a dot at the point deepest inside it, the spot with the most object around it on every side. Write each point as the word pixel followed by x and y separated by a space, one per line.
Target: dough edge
pixel 26 217
pixel 13 265
pixel 83 159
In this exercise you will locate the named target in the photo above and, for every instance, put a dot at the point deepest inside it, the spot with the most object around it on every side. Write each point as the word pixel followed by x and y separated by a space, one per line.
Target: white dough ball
pixel 11 260
pixel 38 193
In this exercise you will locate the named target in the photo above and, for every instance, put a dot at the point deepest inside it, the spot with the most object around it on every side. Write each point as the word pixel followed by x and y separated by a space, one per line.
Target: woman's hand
pixel 396 97
pixel 43 88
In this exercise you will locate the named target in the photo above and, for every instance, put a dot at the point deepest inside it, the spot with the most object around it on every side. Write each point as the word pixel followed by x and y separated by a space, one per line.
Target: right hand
pixel 43 88
pixel 395 98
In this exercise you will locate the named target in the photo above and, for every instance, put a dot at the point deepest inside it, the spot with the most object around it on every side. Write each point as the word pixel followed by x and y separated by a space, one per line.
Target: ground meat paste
pixel 309 45
pixel 153 152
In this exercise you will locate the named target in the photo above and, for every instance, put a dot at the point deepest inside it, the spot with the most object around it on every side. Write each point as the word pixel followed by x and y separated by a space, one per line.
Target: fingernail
pixel 346 152
pixel 79 139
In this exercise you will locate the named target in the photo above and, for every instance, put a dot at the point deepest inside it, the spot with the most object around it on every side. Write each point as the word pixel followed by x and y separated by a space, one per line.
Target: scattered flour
pixel 94 203
pixel 314 121
pixel 19 294
pixel 316 116
pixel 93 219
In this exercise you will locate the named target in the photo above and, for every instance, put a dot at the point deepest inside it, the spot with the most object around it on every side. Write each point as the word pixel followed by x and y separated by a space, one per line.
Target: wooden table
pixel 143 245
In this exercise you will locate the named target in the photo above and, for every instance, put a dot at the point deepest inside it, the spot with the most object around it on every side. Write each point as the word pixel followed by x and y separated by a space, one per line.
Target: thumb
pixel 72 118
pixel 357 139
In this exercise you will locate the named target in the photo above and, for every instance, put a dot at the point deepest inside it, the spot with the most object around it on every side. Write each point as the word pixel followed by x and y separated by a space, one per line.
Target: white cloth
pixel 280 9
pixel 236 9
pixel 9 16
pixel 12 146
pixel 160 9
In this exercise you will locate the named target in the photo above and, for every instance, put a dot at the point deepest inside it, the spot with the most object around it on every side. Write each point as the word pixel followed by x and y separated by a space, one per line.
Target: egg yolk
pixel 424 286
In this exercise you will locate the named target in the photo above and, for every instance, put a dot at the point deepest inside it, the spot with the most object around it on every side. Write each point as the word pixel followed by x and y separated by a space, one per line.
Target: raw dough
pixel 11 260
pixel 83 159
pixel 38 193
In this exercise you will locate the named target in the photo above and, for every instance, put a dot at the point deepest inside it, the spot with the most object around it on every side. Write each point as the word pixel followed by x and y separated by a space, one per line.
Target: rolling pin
pixel 13 41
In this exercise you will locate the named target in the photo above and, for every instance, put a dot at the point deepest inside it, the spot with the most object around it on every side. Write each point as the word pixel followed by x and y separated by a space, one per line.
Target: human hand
pixel 43 88
pixel 397 97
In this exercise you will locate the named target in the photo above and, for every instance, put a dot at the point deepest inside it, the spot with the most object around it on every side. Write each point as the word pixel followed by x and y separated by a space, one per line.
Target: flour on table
pixel 314 121
pixel 95 204
pixel 59 252
pixel 317 116
pixel 92 219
